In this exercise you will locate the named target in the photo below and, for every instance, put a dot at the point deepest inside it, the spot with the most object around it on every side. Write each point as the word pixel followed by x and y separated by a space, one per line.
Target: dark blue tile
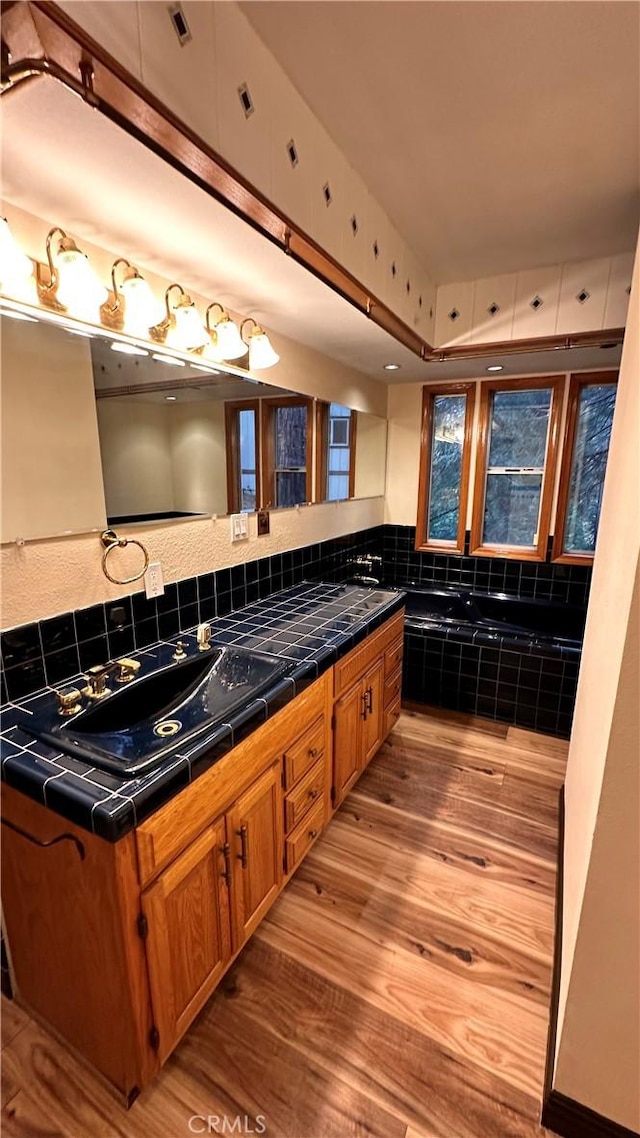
pixel 90 623
pixel 60 666
pixel 168 602
pixel 187 592
pixel 19 645
pixel 168 624
pixel 25 679
pixel 57 633
pixel 94 652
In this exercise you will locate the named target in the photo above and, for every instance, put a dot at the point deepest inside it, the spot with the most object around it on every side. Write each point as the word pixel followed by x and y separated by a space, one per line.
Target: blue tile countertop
pixel 312 625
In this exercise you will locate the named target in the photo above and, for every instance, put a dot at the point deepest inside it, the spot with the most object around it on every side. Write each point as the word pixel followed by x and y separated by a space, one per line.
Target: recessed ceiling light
pixel 168 360
pixel 171 398
pixel 17 315
pixel 495 367
pixel 127 349
pixel 391 367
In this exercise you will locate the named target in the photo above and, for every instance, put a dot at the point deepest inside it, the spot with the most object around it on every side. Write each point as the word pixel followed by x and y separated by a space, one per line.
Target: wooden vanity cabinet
pixel 367 684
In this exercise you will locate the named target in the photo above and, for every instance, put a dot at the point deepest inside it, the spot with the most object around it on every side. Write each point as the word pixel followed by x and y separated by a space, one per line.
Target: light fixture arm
pixel 53 272
pixel 116 299
pixel 249 320
pixel 223 312
pixel 166 298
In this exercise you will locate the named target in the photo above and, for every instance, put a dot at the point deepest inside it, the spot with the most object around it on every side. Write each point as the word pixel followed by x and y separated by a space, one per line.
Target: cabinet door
pixel 347 740
pixel 255 828
pixel 372 724
pixel 189 934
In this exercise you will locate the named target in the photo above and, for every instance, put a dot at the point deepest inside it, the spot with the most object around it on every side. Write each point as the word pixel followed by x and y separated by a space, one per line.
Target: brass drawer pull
pixel 313 793
pixel 226 873
pixel 243 855
pixel 52 841
pixel 313 833
pixel 313 751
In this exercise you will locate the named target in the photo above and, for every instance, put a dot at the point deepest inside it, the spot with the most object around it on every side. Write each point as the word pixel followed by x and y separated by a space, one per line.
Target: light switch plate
pixel 153 580
pixel 239 527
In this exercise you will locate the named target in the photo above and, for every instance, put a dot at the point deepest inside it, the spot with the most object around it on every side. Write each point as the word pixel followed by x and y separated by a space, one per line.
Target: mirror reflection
pixel 176 438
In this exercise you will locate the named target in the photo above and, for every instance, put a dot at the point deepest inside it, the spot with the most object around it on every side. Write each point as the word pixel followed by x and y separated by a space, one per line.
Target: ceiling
pixel 510 131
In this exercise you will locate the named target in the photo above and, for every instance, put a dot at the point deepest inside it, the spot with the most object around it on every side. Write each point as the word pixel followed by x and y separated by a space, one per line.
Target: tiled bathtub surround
pixel 309 626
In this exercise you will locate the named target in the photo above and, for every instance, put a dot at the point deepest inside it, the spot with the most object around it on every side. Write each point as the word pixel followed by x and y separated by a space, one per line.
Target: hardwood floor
pixel 399 988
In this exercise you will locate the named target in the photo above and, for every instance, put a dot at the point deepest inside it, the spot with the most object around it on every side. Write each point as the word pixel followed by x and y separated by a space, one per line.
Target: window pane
pixel 247 472
pixel 290 425
pixel 338 487
pixel 291 488
pixel 595 415
pixel 512 508
pixel 446 467
pixel 519 423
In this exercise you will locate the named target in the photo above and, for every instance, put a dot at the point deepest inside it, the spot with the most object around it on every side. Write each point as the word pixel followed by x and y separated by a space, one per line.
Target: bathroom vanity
pixel 123 916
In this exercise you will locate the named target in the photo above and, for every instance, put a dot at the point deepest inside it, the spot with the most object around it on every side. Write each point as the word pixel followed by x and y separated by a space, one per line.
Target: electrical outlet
pixel 239 527
pixel 153 580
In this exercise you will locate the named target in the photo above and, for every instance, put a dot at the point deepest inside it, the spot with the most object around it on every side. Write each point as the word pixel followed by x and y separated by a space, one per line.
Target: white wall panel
pixel 493 309
pixel 243 61
pixel 454 313
pixel 583 292
pixel 114 26
pixel 532 318
pixel 181 75
pixel 617 303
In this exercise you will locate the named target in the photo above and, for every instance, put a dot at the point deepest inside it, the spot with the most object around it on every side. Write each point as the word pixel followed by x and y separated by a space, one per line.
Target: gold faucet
pixel 97 676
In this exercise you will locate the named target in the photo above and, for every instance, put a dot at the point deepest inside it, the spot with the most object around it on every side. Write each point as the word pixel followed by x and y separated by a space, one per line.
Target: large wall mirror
pixel 96 430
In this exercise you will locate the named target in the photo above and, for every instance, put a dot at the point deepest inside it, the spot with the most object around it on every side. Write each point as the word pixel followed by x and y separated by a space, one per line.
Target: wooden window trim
pixel 577 382
pixel 321 442
pixel 232 447
pixel 429 391
pixel 488 388
pixel 267 449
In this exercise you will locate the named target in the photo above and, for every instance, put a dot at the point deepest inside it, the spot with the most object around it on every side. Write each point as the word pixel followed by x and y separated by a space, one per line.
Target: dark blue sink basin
pixel 132 730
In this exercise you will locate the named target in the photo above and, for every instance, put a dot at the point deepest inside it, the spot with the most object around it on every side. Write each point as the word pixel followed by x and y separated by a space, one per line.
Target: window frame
pixel 577 381
pixel 269 406
pixel 232 444
pixel 321 443
pixel 429 393
pixel 477 547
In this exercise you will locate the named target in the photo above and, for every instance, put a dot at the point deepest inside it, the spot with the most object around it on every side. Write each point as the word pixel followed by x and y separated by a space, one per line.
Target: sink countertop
pixel 311 624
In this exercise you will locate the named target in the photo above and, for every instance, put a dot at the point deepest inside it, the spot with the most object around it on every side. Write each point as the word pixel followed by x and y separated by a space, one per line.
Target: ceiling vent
pixel 493 309
pixel 454 315
pixel 537 302
pixel 583 296
pixel 292 152
pixel 180 25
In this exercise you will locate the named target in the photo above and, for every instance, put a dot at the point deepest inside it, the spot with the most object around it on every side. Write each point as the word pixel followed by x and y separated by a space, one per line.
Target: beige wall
pixel 135 444
pixel 371 454
pixel 51 479
pixel 599 997
pixel 198 457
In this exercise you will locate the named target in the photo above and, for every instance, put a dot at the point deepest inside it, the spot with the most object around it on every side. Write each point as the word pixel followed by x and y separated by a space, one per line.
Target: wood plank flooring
pixel 399 988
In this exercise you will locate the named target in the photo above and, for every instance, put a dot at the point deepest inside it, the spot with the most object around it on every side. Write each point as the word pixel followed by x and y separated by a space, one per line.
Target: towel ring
pixel 111 541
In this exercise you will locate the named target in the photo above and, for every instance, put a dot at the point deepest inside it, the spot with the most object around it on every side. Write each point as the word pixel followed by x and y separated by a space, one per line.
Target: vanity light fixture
pixel 72 284
pixel 495 367
pixel 182 327
pixel 225 337
pixel 391 367
pixel 127 349
pixel 140 310
pixel 167 360
pixel 261 353
pixel 15 266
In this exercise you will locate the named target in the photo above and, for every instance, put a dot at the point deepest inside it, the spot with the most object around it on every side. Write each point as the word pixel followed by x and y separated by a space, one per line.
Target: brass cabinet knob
pixel 127 670
pixel 69 701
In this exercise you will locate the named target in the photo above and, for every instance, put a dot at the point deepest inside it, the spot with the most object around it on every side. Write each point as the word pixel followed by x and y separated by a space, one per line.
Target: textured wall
pixel 44 578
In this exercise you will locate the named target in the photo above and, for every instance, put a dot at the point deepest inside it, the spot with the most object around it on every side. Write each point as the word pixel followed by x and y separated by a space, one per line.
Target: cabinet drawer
pixel 391 716
pixel 393 656
pixel 393 687
pixel 308 791
pixel 302 838
pixel 302 754
pixel 353 666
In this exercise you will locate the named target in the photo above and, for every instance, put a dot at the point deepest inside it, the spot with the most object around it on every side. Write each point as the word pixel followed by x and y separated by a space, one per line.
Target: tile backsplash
pixel 48 652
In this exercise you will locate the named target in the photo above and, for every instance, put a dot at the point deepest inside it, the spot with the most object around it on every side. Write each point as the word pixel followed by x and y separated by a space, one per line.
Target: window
pixel 243 456
pixel 447 419
pixel 589 417
pixel 335 452
pixel 517 443
pixel 286 451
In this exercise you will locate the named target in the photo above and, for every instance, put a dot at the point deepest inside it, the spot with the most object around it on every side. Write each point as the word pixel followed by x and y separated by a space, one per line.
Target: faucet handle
pixel 127 670
pixel 203 637
pixel 180 652
pixel 96 678
pixel 69 701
